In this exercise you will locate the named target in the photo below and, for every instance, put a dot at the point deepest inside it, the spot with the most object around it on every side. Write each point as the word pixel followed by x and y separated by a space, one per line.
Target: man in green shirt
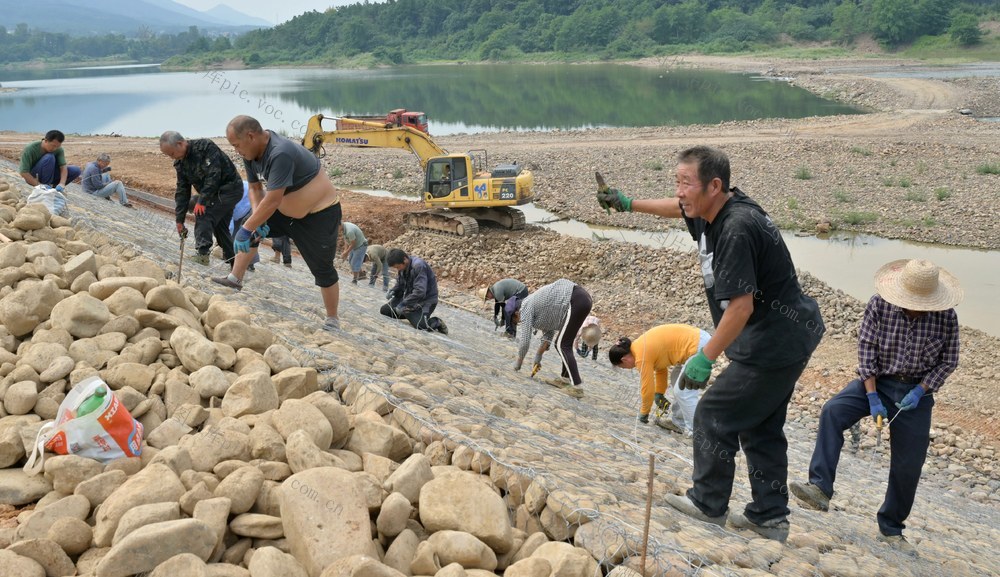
pixel 44 162
pixel 355 249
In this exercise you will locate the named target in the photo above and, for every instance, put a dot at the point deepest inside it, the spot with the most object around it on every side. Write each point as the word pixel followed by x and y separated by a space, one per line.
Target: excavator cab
pixel 447 176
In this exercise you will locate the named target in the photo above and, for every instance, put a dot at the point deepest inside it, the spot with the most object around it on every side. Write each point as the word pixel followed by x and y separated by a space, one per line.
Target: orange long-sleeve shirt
pixel 656 351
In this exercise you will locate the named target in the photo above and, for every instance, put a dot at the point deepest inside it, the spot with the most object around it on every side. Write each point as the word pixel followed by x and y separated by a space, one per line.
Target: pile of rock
pixel 250 465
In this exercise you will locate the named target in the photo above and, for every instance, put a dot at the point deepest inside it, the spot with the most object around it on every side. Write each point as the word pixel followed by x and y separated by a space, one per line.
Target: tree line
pixel 23 45
pixel 399 31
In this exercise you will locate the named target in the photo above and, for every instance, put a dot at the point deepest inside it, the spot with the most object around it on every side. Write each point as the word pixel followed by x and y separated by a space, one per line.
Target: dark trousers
pixel 908 445
pixel 419 319
pixel 46 170
pixel 745 408
pixel 283 245
pixel 580 304
pixel 216 222
pixel 508 320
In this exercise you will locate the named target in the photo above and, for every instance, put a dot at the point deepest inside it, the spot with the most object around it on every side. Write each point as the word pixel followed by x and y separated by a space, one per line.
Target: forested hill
pixel 414 30
pixel 405 31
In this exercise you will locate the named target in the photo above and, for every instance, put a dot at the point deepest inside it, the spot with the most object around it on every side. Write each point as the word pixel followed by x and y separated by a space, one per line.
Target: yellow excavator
pixel 458 189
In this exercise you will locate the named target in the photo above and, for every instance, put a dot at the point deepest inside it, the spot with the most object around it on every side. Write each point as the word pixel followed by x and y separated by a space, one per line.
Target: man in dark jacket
pixel 415 295
pixel 202 164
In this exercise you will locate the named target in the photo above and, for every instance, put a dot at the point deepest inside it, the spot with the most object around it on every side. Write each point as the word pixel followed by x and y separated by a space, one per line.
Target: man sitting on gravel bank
pixel 300 202
pixel 96 181
pixel 415 295
pixel 765 324
pixel 44 162
pixel 907 347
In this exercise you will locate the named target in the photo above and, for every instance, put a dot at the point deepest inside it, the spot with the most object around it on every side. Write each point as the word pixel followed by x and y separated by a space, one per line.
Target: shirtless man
pixel 291 196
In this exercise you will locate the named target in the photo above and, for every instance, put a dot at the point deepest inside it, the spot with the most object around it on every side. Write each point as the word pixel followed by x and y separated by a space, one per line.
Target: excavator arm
pixel 371 135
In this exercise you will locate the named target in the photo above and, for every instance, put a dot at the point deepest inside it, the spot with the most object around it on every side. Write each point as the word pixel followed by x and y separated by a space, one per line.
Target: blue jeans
pixel 357 257
pixel 113 187
pixel 908 445
pixel 47 171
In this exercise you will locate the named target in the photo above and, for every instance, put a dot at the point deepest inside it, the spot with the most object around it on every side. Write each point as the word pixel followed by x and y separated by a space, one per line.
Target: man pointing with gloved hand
pixel 765 324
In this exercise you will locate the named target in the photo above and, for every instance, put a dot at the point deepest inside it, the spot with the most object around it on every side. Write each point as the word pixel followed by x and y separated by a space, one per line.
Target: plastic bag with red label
pixel 91 423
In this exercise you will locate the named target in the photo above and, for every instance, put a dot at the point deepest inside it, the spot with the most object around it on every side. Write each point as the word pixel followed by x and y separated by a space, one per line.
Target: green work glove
pixel 614 198
pixel 696 371
pixel 660 401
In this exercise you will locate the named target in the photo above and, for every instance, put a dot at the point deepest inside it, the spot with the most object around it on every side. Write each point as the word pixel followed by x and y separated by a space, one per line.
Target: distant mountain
pixel 226 15
pixel 84 17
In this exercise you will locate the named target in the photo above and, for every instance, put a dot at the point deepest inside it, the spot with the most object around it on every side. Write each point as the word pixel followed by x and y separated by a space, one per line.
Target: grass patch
pixel 857 217
pixel 334 172
pixel 893 162
pixel 398 173
pixel 802 173
pixel 942 193
pixel 888 181
pixel 840 195
pixel 916 196
pixel 921 167
pixel 654 165
pixel 793 203
pixel 988 168
pixel 905 182
pixel 929 221
pixel 862 151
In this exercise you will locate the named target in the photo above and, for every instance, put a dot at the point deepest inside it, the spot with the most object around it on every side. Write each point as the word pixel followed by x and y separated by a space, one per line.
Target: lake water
pixel 145 101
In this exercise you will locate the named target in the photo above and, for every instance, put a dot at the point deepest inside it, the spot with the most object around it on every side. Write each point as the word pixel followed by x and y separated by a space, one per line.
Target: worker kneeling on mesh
pixel 653 354
pixel 415 295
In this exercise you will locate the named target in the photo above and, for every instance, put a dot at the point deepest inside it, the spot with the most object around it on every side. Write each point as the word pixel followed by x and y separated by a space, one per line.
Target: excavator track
pixel 443 221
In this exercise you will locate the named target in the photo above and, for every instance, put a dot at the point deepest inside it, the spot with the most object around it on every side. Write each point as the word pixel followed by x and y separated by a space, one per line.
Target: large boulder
pixel 157 483
pixel 22 310
pixel 461 502
pixel 19 488
pixel 193 349
pixel 325 517
pixel 81 315
pixel 144 549
pixel 250 394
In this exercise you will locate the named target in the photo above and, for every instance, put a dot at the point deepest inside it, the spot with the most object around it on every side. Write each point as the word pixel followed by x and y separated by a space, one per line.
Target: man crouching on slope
pixel 300 202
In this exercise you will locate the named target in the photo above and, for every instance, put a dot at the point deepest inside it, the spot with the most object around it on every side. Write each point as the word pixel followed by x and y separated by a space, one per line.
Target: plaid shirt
pixel 891 343
pixel 545 310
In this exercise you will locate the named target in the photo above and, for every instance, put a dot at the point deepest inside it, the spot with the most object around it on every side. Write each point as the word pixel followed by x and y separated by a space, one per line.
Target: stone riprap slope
pixel 274 448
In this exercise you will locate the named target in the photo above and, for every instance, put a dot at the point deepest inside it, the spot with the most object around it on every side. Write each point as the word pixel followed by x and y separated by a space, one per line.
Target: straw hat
pixel 591 335
pixel 918 285
pixel 482 293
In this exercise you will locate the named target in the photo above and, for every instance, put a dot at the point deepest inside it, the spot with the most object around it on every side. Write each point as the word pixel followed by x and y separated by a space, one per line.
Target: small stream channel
pixel 844 261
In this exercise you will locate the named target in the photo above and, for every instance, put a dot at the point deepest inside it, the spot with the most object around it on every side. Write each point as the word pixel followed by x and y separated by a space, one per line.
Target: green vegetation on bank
pixel 397 32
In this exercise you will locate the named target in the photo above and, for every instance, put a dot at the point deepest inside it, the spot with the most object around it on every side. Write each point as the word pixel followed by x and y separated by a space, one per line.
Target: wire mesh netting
pixel 576 470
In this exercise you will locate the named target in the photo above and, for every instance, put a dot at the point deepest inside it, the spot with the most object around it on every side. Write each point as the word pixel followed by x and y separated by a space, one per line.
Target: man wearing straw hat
pixel 907 347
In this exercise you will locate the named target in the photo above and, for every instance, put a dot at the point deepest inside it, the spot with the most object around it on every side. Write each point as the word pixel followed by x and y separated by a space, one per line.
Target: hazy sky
pixel 269 9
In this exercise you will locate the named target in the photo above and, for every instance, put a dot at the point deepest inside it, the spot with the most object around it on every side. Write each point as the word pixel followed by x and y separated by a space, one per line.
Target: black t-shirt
pixel 742 252
pixel 284 164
